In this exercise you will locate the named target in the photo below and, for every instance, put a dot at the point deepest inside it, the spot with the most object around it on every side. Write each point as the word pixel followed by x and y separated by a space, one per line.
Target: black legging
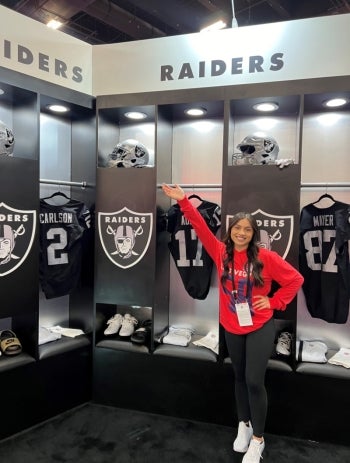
pixel 249 354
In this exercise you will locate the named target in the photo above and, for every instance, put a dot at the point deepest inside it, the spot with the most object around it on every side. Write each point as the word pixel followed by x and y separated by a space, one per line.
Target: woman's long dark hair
pixel 252 252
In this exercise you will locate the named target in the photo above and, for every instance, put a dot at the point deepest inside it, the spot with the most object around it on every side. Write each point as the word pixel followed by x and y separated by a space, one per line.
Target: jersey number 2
pixel 55 254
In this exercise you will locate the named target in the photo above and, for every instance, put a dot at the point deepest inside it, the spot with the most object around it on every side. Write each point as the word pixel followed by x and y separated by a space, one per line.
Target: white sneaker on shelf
pixel 254 452
pixel 244 435
pixel 284 343
pixel 114 324
pixel 128 325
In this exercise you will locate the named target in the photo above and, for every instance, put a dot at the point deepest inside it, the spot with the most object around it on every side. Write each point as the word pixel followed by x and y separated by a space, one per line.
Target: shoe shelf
pixel 324 369
pixel 122 344
pixel 63 345
pixel 190 352
pixel 123 327
pixel 8 363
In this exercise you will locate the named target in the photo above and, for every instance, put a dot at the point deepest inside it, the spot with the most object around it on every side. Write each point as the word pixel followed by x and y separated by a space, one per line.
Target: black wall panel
pixel 19 190
pixel 133 189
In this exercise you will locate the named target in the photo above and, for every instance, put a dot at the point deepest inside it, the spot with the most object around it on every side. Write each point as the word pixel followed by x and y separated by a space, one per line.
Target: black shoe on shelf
pixel 141 334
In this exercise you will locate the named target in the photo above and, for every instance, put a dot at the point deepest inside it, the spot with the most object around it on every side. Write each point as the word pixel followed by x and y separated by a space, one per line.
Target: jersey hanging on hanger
pixel 191 259
pixel 324 261
pixel 61 245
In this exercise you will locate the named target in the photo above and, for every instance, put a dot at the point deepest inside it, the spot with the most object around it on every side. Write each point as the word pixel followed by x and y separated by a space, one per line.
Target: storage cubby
pixel 105 312
pixel 325 170
pixel 67 165
pixel 19 175
pixel 266 190
pixel 282 124
pixel 196 163
pixel 126 220
pixel 50 153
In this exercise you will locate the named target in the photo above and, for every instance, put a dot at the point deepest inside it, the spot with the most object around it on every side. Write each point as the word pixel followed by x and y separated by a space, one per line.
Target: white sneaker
pixel 244 435
pixel 284 343
pixel 128 325
pixel 254 452
pixel 114 324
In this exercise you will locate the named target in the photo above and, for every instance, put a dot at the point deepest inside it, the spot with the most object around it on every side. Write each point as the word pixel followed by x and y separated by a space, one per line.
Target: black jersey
pixel 61 243
pixel 191 259
pixel 324 261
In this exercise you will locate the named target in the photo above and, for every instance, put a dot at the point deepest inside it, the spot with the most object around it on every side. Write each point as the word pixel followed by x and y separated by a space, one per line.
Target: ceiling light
pixel 57 108
pixel 195 111
pixel 137 115
pixel 54 24
pixel 335 102
pixel 215 26
pixel 266 107
pixel 1 91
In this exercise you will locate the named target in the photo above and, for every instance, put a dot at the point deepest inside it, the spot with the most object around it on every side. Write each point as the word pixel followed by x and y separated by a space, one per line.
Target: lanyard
pixel 234 290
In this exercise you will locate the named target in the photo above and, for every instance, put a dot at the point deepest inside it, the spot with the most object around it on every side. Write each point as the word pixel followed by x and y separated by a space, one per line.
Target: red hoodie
pixel 275 269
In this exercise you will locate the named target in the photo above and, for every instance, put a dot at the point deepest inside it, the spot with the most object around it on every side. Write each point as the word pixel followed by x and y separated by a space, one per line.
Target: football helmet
pixel 7 140
pixel 128 153
pixel 259 149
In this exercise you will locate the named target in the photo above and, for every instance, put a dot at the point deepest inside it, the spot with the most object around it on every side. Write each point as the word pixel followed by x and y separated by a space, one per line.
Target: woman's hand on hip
pixel 261 302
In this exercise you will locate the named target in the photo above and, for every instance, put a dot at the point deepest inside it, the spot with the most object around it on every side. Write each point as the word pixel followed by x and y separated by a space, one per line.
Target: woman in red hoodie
pixel 246 273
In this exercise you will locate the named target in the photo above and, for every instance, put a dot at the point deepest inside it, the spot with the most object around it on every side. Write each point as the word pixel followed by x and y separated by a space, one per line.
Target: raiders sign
pixel 125 235
pixel 17 231
pixel 276 231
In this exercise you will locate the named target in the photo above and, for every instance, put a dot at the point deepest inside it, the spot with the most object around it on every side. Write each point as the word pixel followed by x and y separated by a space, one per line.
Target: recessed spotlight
pixel 54 24
pixel 266 107
pixel 136 115
pixel 335 102
pixel 195 111
pixel 57 108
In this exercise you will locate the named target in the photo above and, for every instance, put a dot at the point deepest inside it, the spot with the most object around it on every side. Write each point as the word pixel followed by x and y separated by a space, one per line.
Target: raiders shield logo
pixel 276 231
pixel 125 235
pixel 17 231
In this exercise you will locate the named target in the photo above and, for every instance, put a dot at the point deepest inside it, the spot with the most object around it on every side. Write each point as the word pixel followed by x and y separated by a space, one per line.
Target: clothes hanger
pixel 194 196
pixel 324 196
pixel 57 193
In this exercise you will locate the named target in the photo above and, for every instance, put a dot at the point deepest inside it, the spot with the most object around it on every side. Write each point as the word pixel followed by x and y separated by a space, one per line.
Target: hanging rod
pixel 197 186
pixel 326 185
pixel 208 186
pixel 63 182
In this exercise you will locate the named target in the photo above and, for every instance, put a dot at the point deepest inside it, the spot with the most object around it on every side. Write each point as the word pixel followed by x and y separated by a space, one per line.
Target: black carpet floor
pixel 100 434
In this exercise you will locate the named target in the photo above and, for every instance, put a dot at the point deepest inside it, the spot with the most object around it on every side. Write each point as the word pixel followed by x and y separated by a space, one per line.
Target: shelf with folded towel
pixel 324 369
pixel 63 345
pixel 190 351
pixel 274 363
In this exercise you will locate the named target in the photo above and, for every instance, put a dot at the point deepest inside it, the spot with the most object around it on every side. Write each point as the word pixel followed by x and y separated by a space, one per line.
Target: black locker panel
pixel 273 191
pixel 125 196
pixel 19 276
pixel 271 194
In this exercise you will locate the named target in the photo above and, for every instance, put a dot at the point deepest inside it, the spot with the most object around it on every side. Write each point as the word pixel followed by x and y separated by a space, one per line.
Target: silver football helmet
pixel 128 153
pixel 7 140
pixel 259 149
